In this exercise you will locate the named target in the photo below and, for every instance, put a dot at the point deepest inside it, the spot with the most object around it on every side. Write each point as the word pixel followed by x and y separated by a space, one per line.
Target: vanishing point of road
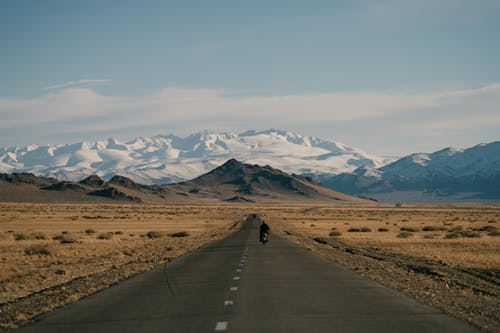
pixel 238 285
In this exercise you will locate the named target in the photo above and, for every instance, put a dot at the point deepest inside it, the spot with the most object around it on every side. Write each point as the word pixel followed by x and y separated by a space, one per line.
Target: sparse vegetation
pixel 155 234
pixel 21 236
pixel 464 234
pixel 320 240
pixel 382 230
pixel 335 234
pixel 32 263
pixel 433 228
pixel 409 229
pixel 422 251
pixel 37 249
pixel 179 234
pixel 95 217
pixel 105 236
pixel 404 234
pixel 475 252
pixel 362 229
pixel 38 236
pixel 65 238
pixel 488 228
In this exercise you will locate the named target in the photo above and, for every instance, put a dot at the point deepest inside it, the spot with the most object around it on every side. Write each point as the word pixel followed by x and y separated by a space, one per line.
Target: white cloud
pixel 367 119
pixel 76 83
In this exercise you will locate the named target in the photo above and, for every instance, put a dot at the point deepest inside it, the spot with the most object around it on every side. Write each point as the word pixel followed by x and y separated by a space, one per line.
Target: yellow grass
pixel 126 227
pixel 478 252
pixel 111 242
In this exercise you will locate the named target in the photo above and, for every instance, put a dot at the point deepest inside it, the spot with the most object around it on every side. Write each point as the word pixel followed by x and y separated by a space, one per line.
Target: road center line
pixel 228 302
pixel 236 278
pixel 221 326
pixel 233 288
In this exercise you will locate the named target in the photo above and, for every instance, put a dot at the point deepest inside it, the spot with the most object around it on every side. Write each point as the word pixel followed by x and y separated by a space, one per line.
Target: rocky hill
pixel 232 182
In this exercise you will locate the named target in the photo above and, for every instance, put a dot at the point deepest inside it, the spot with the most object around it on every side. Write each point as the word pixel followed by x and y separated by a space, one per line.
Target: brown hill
pixel 232 182
pixel 92 180
pixel 239 182
pixel 25 187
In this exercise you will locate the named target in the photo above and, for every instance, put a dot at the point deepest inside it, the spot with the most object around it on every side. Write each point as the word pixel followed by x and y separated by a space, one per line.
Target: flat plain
pixel 53 254
pixel 444 255
pixel 447 256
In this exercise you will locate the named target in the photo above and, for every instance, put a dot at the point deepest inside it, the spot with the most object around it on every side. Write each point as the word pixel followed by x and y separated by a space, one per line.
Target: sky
pixel 392 77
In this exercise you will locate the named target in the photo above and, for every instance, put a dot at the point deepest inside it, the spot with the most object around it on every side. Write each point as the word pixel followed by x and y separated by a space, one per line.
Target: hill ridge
pixel 232 181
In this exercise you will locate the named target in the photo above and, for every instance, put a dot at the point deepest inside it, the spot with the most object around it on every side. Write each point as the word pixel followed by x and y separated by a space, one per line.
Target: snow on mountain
pixel 169 158
pixel 448 174
pixel 479 161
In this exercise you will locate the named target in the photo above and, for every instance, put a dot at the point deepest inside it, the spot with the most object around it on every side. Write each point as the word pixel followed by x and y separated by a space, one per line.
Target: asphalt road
pixel 239 285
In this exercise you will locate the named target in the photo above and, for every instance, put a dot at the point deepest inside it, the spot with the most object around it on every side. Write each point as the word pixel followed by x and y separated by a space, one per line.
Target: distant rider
pixel 264 232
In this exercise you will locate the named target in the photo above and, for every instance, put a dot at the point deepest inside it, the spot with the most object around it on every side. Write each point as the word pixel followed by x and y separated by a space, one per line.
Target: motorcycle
pixel 264 238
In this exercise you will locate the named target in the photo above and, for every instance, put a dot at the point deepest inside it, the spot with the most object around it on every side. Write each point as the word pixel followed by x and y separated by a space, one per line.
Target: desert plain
pixel 444 255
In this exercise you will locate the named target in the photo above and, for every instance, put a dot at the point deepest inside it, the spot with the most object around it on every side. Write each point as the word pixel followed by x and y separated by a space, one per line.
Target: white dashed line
pixel 221 326
pixel 228 303
pixel 233 288
pixel 239 270
pixel 236 278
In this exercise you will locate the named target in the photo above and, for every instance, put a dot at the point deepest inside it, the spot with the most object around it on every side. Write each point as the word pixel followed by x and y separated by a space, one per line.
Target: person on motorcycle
pixel 264 232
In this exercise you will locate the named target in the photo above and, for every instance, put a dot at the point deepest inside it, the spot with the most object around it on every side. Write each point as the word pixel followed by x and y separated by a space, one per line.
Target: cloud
pixel 370 120
pixel 77 83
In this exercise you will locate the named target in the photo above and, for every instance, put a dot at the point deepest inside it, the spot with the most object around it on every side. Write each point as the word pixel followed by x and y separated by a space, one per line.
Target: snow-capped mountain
pixel 169 158
pixel 472 173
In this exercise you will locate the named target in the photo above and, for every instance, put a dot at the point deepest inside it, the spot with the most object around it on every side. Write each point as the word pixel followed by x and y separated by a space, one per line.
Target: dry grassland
pixel 462 237
pixel 445 256
pixel 51 254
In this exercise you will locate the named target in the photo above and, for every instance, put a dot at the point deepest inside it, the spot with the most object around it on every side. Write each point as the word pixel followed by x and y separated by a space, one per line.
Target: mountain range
pixel 168 158
pixel 457 175
pixel 232 182
pixel 471 174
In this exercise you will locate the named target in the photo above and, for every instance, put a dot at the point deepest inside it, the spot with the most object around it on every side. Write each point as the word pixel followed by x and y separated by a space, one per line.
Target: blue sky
pixel 85 62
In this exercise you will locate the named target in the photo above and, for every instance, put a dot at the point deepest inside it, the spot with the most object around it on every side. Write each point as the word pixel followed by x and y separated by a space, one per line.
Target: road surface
pixel 239 285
